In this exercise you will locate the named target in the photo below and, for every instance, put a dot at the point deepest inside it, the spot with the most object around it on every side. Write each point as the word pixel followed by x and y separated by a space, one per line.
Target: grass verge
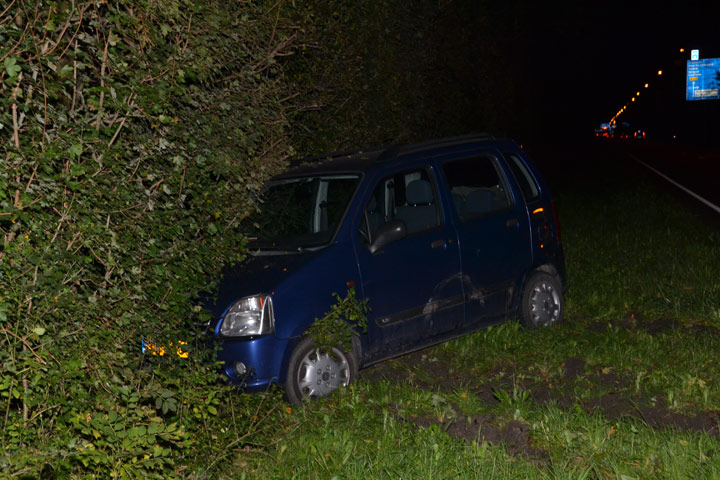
pixel 626 388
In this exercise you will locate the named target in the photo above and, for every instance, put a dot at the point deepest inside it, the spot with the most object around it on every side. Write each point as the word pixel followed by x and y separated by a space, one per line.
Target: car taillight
pixel 557 223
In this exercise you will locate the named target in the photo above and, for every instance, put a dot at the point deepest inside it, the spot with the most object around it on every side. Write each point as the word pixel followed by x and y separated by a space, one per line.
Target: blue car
pixel 442 238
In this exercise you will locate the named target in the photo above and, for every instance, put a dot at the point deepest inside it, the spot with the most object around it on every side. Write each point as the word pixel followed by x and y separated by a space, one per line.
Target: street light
pixel 659 72
pixel 647 85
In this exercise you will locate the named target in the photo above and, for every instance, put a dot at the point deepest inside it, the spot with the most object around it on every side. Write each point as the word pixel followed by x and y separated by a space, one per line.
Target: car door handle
pixel 512 223
pixel 438 244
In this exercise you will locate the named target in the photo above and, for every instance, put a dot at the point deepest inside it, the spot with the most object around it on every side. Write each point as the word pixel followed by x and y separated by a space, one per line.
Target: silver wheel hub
pixel 544 304
pixel 321 373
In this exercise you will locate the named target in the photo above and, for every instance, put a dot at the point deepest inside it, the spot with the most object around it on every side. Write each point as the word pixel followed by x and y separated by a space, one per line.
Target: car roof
pixel 366 159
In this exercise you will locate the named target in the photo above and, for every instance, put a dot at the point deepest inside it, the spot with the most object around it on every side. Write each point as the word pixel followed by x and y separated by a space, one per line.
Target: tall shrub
pixel 397 71
pixel 132 134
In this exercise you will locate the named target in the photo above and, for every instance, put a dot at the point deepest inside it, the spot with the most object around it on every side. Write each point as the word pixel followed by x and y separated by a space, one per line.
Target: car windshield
pixel 300 212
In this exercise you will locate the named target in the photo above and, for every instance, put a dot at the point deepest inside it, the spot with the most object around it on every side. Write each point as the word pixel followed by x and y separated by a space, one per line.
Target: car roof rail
pixel 387 152
pixel 332 156
pixel 447 142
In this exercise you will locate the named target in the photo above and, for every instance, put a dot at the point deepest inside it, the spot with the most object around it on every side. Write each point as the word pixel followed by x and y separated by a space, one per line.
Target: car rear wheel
pixel 542 303
pixel 315 373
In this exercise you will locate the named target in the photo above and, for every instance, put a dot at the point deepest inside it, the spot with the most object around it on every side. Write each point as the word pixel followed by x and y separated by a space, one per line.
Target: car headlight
pixel 249 316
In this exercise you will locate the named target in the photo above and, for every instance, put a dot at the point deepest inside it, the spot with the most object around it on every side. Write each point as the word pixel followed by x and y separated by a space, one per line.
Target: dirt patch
pixel 574 367
pixel 543 393
pixel 389 371
pixel 612 389
pixel 634 322
pixel 486 393
pixel 662 417
pixel 704 330
pixel 615 406
pixel 438 374
pixel 515 435
pixel 420 370
pixel 609 380
pixel 398 370
pixel 660 326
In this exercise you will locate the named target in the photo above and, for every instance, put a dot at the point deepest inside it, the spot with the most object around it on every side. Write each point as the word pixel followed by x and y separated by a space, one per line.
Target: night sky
pixel 588 59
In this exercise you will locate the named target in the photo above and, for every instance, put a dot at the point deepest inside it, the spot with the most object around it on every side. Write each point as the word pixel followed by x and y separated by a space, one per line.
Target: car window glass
pixel 527 182
pixel 476 187
pixel 299 212
pixel 408 196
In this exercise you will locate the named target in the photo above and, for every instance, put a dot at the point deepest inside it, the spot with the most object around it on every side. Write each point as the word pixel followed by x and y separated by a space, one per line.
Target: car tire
pixel 541 304
pixel 315 373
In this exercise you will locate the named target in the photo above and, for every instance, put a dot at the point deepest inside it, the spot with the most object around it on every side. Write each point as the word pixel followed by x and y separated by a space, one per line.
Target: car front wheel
pixel 542 303
pixel 315 373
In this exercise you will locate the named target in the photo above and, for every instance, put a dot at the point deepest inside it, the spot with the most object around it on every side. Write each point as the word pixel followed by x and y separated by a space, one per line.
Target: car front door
pixel 414 284
pixel 493 233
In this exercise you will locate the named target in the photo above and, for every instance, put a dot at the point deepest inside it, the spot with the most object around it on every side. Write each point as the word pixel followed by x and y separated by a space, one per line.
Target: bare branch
pixel 16 129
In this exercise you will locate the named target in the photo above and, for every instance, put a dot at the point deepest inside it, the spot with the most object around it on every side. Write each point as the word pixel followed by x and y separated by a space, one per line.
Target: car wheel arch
pixel 541 300
pixel 356 346
pixel 305 367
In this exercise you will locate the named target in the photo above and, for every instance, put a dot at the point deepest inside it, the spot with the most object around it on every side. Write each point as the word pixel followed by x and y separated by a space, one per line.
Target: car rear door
pixel 493 233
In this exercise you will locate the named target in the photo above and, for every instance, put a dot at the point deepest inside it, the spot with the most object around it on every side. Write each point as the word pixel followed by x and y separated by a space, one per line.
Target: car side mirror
pixel 389 232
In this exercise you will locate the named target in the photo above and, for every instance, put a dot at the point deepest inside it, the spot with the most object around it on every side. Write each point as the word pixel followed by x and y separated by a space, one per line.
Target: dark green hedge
pixel 131 135
pixel 398 71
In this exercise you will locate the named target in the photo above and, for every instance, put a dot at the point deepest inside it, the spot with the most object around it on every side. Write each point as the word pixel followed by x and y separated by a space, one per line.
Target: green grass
pixel 642 306
pixel 355 435
pixel 633 247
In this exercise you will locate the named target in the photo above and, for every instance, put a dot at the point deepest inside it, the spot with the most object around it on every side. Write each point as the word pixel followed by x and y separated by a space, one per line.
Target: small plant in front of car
pixel 345 319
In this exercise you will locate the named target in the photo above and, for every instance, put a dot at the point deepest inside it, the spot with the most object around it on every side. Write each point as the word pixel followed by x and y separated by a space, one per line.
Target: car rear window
pixel 528 185
pixel 476 187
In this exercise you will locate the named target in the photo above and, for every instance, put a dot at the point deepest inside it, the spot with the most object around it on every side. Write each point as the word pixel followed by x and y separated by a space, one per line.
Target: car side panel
pixel 413 287
pixel 495 250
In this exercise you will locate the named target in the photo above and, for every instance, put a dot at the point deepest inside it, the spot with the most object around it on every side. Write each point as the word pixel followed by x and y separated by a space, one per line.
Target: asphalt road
pixel 687 173
pixel 695 172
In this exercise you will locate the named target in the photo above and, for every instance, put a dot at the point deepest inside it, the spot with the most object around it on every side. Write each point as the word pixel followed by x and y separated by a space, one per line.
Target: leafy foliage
pixel 338 326
pixel 133 135
pixel 397 71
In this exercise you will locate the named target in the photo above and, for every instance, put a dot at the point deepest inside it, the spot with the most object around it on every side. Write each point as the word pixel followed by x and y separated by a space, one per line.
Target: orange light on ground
pixel 637 94
pixel 633 99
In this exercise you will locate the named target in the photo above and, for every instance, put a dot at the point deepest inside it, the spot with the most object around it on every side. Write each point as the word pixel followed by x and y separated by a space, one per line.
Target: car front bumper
pixel 253 363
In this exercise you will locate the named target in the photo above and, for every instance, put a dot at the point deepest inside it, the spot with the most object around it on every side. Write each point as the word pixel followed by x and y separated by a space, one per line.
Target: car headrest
pixel 372 205
pixel 419 192
pixel 479 201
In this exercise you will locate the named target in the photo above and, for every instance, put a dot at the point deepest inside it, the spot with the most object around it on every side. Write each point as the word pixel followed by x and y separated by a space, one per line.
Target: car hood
pixel 257 274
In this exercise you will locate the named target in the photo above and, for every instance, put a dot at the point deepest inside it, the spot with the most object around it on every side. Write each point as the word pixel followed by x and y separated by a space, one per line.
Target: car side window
pixel 522 174
pixel 408 196
pixel 476 186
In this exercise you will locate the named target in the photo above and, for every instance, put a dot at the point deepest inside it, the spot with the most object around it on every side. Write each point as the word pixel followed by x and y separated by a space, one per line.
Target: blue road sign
pixel 703 79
